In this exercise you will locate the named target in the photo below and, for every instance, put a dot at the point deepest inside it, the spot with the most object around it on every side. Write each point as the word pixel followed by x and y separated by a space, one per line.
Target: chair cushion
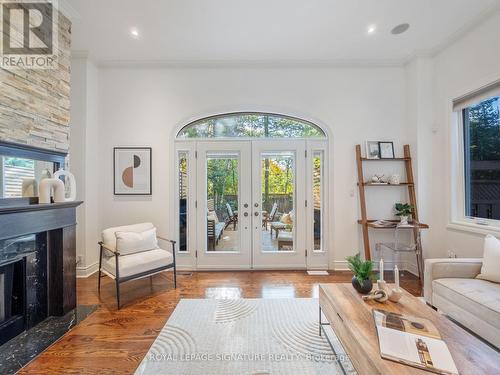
pixel 109 237
pixel 135 242
pixel 285 236
pixel 278 225
pixel 479 297
pixel 490 270
pixel 134 264
pixel 212 215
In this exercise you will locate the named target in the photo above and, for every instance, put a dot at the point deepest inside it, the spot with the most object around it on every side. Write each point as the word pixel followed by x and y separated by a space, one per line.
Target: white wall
pixel 144 106
pixel 466 65
pixel 84 160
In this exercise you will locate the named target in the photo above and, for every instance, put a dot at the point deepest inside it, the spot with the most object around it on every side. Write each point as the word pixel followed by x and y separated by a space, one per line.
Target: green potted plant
pixel 403 210
pixel 362 279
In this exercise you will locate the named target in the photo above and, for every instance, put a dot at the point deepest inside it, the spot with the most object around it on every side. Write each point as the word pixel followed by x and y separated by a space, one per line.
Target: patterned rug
pixel 245 336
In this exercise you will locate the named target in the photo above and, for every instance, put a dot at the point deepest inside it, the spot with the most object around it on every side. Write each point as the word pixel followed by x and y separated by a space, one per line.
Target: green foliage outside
pixel 18 162
pixel 484 137
pixel 251 126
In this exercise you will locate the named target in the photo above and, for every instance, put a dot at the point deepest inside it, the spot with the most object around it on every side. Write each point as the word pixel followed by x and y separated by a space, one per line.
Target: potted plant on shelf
pixel 403 210
pixel 362 279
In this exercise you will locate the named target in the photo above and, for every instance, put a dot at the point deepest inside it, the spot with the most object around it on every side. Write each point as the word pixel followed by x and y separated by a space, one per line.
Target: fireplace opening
pixel 12 300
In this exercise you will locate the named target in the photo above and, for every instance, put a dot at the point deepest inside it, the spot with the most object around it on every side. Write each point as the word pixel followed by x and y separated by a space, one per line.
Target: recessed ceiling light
pixel 371 29
pixel 134 33
pixel 400 29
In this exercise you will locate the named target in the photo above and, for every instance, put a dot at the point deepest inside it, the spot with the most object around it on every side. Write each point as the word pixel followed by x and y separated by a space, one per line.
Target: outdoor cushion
pixel 139 262
pixel 478 297
pixel 135 242
pixel 212 215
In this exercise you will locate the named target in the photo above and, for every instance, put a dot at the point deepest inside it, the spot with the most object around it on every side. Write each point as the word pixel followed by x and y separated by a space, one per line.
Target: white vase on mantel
pixel 403 220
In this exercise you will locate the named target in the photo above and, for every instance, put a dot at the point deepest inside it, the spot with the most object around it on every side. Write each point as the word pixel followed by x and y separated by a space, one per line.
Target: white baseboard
pixel 341 265
pixel 82 272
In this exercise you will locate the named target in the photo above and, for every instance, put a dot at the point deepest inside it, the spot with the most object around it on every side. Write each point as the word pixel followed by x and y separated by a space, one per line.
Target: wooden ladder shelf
pixel 362 184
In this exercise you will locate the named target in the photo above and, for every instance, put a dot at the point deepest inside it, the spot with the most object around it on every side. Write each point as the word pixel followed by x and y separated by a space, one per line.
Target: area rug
pixel 245 336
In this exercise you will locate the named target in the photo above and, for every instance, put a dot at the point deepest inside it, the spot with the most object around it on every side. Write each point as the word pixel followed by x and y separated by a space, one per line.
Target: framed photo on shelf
pixel 132 170
pixel 372 150
pixel 386 150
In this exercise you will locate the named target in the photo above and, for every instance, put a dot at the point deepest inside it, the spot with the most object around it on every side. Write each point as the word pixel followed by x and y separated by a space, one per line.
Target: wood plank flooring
pixel 114 341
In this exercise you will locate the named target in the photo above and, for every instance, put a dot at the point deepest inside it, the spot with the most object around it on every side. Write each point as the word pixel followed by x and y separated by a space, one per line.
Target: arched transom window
pixel 251 125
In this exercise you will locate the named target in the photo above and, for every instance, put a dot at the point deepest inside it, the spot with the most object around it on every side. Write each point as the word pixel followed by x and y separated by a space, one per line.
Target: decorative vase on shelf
pixel 403 220
pixel 364 288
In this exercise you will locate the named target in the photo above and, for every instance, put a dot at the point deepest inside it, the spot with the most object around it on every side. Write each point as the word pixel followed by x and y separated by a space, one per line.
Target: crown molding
pixel 483 16
pixel 249 64
pixel 68 10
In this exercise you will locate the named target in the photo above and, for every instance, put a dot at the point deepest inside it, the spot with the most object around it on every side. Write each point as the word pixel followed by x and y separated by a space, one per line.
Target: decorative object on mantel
pixel 403 210
pixel 69 180
pixel 49 185
pixel 132 171
pixel 372 150
pixel 29 187
pixel 361 281
pixel 386 150
pixel 395 179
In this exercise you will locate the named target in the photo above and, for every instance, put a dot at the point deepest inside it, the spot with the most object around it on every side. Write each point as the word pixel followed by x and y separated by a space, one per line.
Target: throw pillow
pixel 135 242
pixel 490 270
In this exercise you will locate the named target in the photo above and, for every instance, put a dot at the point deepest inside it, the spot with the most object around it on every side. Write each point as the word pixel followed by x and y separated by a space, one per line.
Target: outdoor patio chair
pixel 232 217
pixel 267 218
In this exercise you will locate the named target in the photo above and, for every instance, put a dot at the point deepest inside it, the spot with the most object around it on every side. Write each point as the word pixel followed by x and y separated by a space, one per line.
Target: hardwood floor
pixel 114 341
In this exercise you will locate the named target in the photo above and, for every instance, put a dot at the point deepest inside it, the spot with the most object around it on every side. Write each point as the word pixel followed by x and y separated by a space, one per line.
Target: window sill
pixel 473 228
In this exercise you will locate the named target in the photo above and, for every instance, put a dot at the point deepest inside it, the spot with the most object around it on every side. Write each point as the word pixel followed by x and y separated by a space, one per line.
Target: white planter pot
pixel 404 220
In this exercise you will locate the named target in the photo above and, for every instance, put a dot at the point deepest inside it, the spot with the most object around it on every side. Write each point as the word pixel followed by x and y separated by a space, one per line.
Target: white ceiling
pixel 269 31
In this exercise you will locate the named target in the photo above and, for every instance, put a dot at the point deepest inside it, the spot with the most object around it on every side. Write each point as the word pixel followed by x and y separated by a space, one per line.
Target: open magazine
pixel 412 341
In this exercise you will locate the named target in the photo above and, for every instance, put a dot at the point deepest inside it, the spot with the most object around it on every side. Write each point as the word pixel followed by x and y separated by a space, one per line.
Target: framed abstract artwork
pixel 132 169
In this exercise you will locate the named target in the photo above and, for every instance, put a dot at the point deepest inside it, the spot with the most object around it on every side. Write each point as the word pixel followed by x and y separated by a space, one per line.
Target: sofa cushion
pixel 134 264
pixel 479 297
pixel 490 269
pixel 135 242
pixel 109 237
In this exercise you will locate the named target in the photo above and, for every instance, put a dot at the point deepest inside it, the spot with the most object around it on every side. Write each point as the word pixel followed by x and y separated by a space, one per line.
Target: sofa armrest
pixel 462 268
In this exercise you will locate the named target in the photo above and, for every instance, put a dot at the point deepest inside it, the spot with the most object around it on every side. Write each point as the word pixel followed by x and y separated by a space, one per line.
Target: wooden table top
pixel 471 355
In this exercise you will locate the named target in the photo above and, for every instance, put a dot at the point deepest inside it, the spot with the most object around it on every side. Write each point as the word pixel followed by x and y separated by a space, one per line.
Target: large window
pixel 481 134
pixel 251 125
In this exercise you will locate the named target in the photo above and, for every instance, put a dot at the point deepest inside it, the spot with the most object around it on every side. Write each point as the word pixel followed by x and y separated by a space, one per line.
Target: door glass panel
pixel 183 200
pixel 317 187
pixel 278 187
pixel 222 202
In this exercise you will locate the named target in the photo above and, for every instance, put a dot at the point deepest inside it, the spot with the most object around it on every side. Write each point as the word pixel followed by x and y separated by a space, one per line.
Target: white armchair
pixel 132 252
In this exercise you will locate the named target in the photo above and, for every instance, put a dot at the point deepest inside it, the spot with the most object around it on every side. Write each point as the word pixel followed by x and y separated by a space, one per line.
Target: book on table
pixel 412 341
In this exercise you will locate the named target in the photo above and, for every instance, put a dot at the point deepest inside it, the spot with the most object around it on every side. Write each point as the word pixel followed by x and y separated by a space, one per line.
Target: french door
pixel 224 205
pixel 251 204
pixel 278 197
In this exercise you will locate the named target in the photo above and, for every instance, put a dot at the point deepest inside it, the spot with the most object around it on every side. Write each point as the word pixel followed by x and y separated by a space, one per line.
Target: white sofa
pixel 450 285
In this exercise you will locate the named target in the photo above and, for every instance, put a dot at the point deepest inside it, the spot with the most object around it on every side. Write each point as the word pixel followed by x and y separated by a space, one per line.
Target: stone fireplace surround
pixel 38 254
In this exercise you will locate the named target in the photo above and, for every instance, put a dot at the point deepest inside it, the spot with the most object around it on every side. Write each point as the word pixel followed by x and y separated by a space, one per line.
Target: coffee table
pixel 352 321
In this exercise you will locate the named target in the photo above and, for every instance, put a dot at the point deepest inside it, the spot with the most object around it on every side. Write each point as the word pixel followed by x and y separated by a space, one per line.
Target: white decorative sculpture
pixel 30 187
pixel 45 190
pixel 69 177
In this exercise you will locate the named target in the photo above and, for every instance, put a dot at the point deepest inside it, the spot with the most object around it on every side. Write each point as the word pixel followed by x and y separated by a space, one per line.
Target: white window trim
pixel 458 220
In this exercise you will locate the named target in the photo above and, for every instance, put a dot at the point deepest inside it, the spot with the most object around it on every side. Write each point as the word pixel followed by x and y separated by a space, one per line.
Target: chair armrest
pixel 166 239
pixel 105 247
pixel 461 268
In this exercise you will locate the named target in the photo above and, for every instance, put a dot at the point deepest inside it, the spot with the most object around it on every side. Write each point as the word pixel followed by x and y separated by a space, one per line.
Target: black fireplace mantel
pixel 54 227
pixel 21 219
